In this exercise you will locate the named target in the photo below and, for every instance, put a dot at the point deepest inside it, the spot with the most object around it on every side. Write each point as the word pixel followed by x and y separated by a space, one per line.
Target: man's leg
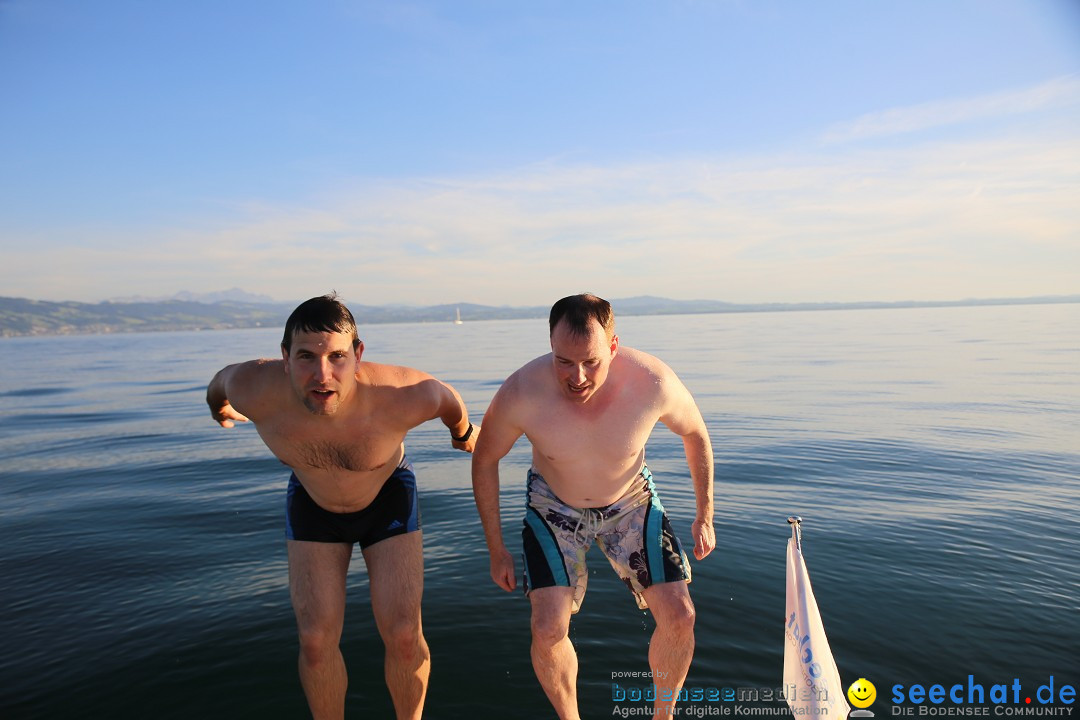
pixel 672 645
pixel 317 586
pixel 396 572
pixel 553 656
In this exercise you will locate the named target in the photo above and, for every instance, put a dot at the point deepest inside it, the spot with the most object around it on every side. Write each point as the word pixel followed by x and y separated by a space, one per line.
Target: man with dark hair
pixel 577 310
pixel 340 424
pixel 588 408
pixel 325 313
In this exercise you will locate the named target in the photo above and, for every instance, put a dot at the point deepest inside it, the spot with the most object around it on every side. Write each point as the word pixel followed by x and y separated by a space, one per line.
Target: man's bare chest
pixel 616 432
pixel 358 448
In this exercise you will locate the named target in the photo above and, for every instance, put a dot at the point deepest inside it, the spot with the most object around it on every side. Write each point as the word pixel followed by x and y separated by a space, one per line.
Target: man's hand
pixel 502 570
pixel 469 444
pixel 226 415
pixel 704 538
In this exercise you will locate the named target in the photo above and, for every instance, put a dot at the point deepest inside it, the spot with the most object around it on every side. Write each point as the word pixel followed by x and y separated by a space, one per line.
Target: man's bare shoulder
pixel 643 364
pixel 405 391
pixel 391 376
pixel 649 376
pixel 410 395
pixel 256 374
pixel 651 379
pixel 528 381
pixel 519 396
pixel 253 387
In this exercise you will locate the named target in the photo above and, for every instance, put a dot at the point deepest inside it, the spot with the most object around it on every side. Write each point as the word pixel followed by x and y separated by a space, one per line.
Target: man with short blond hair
pixel 340 424
pixel 588 408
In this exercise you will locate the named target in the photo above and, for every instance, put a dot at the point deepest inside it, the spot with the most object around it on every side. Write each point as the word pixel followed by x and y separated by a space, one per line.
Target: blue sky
pixel 513 153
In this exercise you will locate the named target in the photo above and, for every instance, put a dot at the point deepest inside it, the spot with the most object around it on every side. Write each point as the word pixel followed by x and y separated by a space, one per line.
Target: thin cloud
pixel 781 228
pixel 1055 93
pixel 934 221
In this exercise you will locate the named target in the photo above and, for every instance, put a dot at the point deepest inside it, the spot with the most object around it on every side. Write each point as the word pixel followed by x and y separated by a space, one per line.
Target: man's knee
pixel 549 628
pixel 317 645
pixel 677 615
pixel 404 637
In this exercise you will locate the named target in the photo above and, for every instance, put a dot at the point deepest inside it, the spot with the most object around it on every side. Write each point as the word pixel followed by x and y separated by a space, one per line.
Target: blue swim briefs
pixel 394 511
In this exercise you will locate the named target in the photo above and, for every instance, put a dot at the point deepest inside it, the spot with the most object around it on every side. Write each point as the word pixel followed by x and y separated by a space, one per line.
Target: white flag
pixel 811 680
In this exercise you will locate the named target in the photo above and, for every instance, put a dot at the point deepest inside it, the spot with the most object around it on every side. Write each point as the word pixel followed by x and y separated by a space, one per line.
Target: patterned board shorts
pixel 633 533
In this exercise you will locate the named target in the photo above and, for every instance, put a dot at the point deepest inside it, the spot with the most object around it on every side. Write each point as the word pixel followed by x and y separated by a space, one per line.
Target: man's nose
pixel 579 374
pixel 323 371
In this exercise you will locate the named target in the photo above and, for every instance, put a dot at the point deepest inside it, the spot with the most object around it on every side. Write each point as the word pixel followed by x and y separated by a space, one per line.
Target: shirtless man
pixel 588 408
pixel 340 424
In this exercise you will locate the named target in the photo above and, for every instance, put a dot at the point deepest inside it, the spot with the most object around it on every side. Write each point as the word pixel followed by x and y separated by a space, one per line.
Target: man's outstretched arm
pixel 684 419
pixel 699 457
pixel 217 397
pixel 240 392
pixel 455 416
pixel 499 437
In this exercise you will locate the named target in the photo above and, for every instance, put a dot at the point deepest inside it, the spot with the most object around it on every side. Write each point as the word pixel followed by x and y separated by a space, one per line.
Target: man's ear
pixel 285 357
pixel 359 350
pixel 614 345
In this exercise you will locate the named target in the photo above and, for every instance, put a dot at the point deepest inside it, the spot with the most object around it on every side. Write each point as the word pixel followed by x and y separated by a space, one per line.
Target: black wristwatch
pixel 466 436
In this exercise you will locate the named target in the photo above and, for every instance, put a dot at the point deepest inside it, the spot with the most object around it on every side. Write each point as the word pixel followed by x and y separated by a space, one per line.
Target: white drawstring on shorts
pixel 590 522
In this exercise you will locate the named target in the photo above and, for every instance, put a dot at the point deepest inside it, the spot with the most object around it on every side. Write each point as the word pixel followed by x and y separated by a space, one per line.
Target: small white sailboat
pixel 457 316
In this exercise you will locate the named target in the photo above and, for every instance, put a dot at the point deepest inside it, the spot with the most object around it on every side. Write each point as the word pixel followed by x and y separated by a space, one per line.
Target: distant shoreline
pixel 20 317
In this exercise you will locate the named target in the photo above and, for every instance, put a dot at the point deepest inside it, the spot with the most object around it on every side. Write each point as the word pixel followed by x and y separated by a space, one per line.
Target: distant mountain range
pixel 233 295
pixel 237 309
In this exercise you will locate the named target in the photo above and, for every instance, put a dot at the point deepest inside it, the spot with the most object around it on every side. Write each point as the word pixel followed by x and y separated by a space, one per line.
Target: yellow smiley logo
pixel 862 693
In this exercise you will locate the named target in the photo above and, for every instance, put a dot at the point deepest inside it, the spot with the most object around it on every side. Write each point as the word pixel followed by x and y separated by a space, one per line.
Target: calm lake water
pixel 933 454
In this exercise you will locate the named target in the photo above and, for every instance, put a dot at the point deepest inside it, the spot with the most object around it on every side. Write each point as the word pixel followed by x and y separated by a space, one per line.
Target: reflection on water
pixel 933 455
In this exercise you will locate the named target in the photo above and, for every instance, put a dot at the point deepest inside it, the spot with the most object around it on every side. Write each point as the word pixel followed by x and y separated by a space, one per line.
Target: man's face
pixel 582 361
pixel 322 369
